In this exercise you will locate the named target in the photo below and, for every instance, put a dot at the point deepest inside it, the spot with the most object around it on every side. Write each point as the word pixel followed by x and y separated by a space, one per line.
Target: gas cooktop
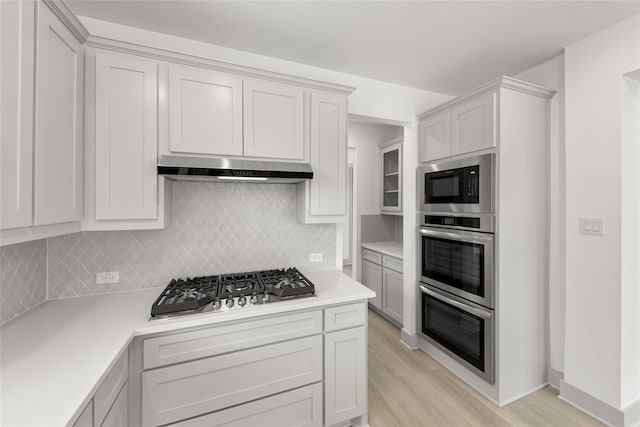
pixel 230 291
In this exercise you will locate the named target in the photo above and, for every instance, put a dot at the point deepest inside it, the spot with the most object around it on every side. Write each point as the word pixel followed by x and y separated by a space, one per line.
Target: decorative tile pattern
pixel 380 228
pixel 23 278
pixel 399 229
pixel 218 228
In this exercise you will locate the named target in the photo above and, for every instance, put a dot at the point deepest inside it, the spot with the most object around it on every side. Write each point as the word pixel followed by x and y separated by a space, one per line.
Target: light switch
pixel 592 226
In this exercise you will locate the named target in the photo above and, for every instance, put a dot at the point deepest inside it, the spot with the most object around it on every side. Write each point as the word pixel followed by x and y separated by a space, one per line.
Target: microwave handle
pixel 464 236
pixel 456 304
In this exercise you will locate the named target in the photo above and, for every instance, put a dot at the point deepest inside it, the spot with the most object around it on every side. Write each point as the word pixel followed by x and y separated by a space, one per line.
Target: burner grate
pixel 189 294
pixel 235 285
pixel 286 283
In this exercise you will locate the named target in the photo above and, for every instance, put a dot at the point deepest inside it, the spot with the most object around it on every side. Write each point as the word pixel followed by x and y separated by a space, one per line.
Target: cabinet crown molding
pixel 500 82
pixel 212 64
pixel 64 13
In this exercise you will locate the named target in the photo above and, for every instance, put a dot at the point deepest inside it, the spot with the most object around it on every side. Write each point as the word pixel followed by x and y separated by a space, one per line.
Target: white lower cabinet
pixel 178 392
pixel 118 414
pixel 345 375
pixel 372 279
pixel 392 298
pixel 86 417
pixel 383 275
pixel 301 407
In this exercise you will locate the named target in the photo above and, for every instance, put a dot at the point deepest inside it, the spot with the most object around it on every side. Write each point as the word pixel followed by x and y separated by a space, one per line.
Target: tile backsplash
pixel 23 278
pixel 218 228
pixel 380 228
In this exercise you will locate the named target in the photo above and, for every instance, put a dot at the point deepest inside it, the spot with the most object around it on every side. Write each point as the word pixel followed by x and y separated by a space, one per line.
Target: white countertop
pixel 54 357
pixel 393 249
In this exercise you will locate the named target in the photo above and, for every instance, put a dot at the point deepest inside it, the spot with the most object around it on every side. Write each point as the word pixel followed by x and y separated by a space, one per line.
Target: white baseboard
pixel 554 378
pixel 409 340
pixel 523 394
pixel 627 417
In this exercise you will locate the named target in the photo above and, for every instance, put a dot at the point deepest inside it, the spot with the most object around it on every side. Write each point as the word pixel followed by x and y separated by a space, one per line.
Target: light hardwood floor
pixel 409 388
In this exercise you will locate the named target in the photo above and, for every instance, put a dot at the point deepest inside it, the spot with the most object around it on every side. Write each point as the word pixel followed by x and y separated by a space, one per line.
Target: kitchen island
pixel 60 355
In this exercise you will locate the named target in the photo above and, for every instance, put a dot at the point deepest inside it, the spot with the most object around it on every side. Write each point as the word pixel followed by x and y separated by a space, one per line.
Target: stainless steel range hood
pixel 183 168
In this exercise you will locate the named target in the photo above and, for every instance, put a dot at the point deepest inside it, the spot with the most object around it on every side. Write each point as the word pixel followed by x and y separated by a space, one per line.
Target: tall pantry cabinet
pixel 41 120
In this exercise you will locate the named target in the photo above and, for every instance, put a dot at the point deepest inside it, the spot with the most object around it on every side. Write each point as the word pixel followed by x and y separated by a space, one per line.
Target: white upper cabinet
pixel 273 120
pixel 473 125
pixel 323 199
pixel 17 47
pixel 461 127
pixel 205 112
pixel 435 137
pixel 391 174
pixel 58 138
pixel 126 146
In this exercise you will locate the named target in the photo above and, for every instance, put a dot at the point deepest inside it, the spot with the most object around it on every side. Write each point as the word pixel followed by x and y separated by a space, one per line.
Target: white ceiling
pixel 446 46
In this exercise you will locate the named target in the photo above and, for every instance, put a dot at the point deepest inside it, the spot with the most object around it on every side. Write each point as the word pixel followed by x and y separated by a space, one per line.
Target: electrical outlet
pixel 592 226
pixel 107 277
pixel 315 257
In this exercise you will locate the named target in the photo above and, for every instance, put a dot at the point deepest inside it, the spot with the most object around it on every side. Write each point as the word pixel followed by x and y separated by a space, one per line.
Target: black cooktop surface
pixel 224 292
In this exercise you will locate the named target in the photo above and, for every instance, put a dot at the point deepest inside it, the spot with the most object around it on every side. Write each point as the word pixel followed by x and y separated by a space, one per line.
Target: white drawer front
pixel 109 389
pixel 372 256
pixel 185 346
pixel 86 417
pixel 175 393
pixel 344 316
pixel 301 407
pixel 392 263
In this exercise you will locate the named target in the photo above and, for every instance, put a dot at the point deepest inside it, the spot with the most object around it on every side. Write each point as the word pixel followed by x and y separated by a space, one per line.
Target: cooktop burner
pixel 230 291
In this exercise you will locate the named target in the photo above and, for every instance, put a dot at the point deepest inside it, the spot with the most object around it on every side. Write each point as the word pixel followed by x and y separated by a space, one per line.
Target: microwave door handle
pixel 461 236
pixel 456 304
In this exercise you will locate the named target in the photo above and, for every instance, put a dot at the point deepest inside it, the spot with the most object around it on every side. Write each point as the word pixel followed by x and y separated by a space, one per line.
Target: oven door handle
pixel 457 304
pixel 464 236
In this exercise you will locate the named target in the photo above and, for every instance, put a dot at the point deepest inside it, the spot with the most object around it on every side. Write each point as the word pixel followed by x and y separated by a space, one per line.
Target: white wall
pixel 601 347
pixel 550 74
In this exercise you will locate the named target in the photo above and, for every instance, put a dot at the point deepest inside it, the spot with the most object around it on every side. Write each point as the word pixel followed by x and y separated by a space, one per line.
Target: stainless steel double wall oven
pixel 457 286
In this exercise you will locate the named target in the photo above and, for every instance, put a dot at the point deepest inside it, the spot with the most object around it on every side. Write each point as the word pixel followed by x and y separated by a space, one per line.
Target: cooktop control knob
pixel 217 304
pixel 242 301
pixel 254 299
pixel 266 298
pixel 229 302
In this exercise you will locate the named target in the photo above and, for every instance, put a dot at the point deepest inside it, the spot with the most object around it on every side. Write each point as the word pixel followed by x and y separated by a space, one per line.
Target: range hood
pixel 183 168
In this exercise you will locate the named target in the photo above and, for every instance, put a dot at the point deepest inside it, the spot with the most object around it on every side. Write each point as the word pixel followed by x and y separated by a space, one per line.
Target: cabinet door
pixel 345 375
pixel 205 112
pixel 58 139
pixel 273 120
pixel 86 417
pixel 17 49
pixel 372 279
pixel 328 154
pixel 118 414
pixel 126 138
pixel 392 291
pixel 473 125
pixel 435 137
pixel 391 160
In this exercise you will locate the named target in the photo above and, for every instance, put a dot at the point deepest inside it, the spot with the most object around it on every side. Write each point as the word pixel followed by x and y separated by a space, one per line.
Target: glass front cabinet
pixel 391 171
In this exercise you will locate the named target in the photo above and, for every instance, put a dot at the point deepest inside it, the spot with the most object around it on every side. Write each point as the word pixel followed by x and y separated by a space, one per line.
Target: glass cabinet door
pixel 392 178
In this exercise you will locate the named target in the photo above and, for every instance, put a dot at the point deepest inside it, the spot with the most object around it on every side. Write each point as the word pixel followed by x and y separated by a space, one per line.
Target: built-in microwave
pixel 458 186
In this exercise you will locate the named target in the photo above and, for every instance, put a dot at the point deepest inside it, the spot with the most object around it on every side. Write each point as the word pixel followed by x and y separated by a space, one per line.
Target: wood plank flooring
pixel 408 388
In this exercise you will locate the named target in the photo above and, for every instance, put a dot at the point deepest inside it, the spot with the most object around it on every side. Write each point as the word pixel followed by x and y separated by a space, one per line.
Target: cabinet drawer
pixel 86 417
pixel 300 407
pixel 109 389
pixel 176 393
pixel 392 263
pixel 372 256
pixel 343 317
pixel 185 346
